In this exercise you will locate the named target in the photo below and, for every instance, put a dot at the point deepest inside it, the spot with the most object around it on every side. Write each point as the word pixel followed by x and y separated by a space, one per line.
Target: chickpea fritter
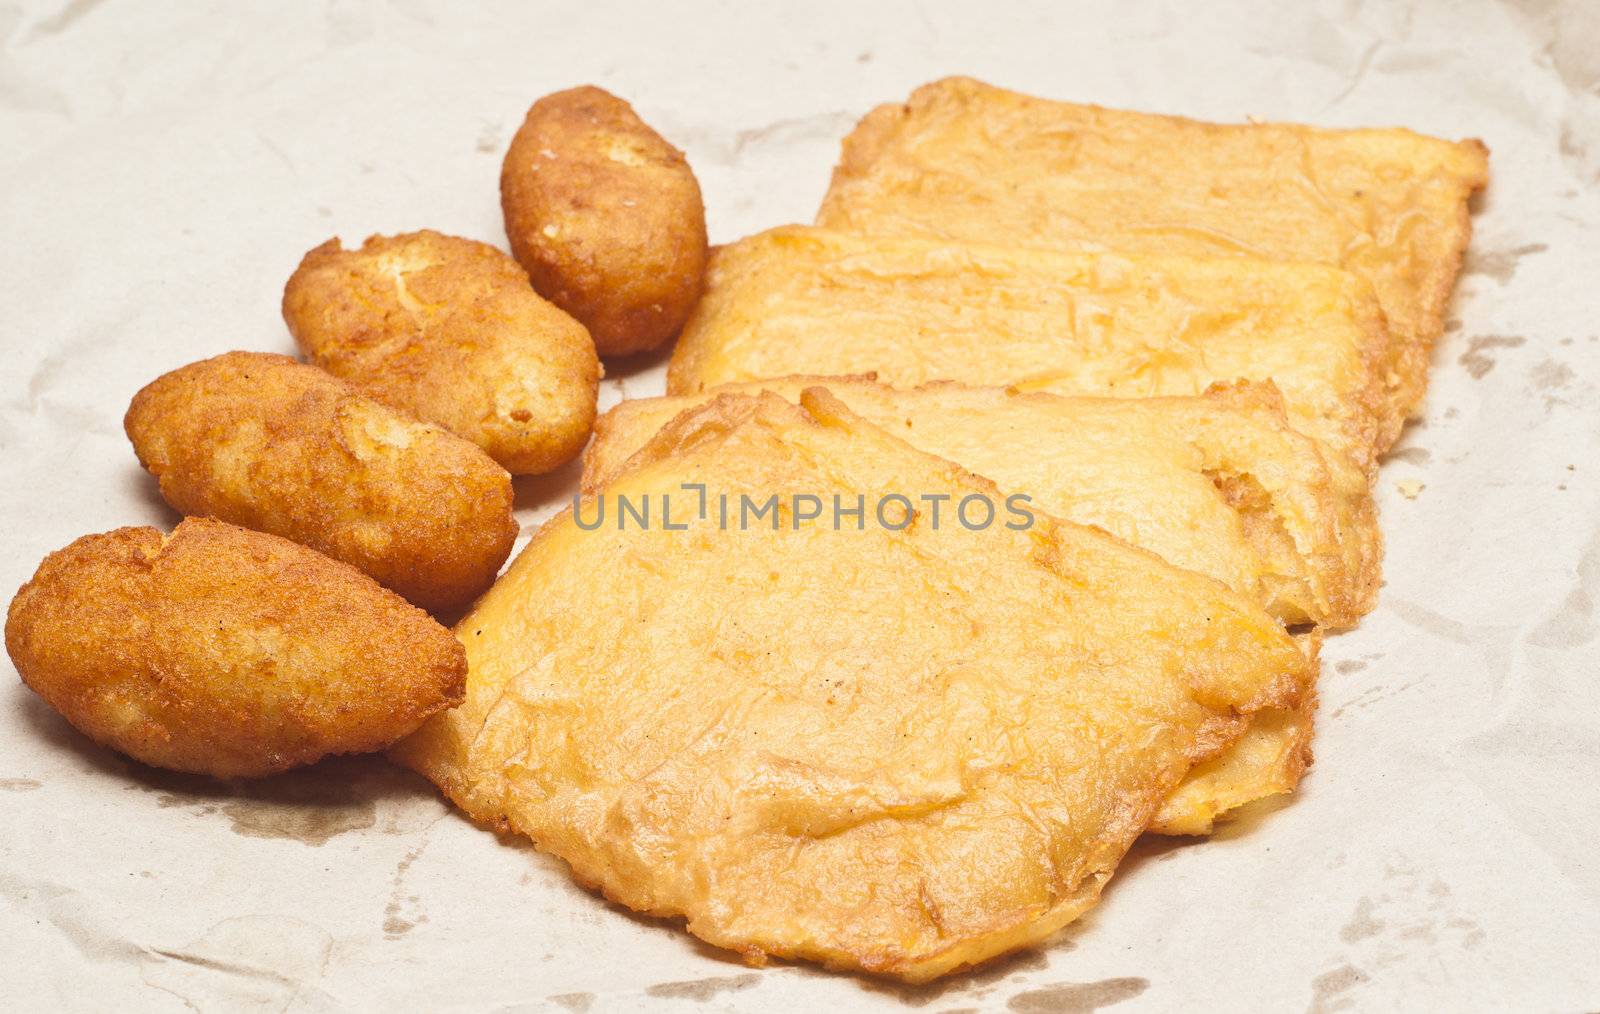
pixel 281 447
pixel 218 650
pixel 607 218
pixel 449 330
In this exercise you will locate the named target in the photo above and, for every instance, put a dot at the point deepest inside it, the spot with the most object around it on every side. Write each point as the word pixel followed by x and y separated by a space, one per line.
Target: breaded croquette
pixel 606 216
pixel 218 650
pixel 272 444
pixel 448 330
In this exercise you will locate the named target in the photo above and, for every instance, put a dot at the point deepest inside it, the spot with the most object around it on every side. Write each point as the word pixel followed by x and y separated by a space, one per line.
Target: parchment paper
pixel 163 167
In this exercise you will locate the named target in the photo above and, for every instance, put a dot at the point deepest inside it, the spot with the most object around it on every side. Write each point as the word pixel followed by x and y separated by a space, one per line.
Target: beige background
pixel 162 168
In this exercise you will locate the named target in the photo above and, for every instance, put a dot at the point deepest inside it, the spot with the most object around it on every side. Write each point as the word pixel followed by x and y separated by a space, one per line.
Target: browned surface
pixel 448 330
pixel 895 751
pixel 965 160
pixel 607 218
pixel 222 651
pixel 271 444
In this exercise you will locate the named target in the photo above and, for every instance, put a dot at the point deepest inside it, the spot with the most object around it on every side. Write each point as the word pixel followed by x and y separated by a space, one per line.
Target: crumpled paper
pixel 162 168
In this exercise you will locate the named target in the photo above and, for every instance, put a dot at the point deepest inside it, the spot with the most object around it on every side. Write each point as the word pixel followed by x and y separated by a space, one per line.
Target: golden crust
pixel 799 300
pixel 606 217
pixel 896 752
pixel 448 330
pixel 965 160
pixel 271 444
pixel 222 651
pixel 1216 484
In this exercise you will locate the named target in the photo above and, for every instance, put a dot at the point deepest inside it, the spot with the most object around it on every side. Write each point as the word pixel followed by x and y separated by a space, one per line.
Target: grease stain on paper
pixel 312 825
pixel 1414 917
pixel 1362 924
pixel 1499 265
pixel 403 914
pixel 1478 360
pixel 702 990
pixel 1078 997
pixel 1371 696
pixel 1550 378
pixel 1328 989
pixel 311 805
pixel 1437 624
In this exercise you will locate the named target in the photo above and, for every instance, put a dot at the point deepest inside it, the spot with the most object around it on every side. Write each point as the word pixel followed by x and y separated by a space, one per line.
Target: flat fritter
pixel 222 651
pixel 276 445
pixel 895 747
pixel 795 301
pixel 449 330
pixel 965 160
pixel 1216 484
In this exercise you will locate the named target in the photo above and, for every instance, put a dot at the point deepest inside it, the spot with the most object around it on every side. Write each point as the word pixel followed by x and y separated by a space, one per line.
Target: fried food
pixel 812 301
pixel 965 160
pixel 606 217
pixel 899 751
pixel 1268 760
pixel 448 330
pixel 222 651
pixel 1216 484
pixel 271 444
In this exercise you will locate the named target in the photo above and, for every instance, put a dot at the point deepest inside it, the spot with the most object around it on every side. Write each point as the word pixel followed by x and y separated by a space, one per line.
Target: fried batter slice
pixel 1217 483
pixel 798 300
pixel 899 751
pixel 965 160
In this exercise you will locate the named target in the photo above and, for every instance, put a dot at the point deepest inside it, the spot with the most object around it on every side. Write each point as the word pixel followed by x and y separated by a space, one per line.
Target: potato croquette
pixel 272 444
pixel 218 650
pixel 449 330
pixel 606 217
